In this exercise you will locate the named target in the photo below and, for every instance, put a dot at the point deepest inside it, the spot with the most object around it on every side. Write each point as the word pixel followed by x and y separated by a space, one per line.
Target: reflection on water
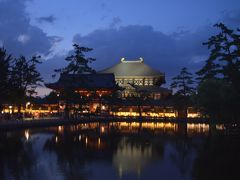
pixel 26 132
pixel 122 150
pixel 197 128
pixel 132 157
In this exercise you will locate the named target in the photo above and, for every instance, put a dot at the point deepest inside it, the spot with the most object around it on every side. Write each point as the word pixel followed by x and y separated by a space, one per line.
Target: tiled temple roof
pixel 87 81
pixel 132 68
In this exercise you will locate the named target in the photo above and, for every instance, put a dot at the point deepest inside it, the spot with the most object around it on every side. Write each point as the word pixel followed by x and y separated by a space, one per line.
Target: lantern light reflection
pixel 27 134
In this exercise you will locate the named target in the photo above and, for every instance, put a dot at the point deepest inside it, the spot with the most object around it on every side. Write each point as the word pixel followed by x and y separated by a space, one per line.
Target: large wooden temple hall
pixel 134 76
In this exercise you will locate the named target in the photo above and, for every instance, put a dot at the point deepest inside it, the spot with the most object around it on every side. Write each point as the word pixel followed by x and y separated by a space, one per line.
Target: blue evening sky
pixel 84 16
pixel 168 34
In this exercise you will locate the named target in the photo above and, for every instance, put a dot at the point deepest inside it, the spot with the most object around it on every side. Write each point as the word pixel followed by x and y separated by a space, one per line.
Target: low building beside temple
pixel 90 87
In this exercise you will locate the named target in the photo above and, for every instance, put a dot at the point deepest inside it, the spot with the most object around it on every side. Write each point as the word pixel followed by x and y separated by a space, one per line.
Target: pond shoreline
pixel 36 123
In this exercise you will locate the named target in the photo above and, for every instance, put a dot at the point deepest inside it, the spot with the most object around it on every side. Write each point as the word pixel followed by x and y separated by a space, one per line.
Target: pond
pixel 122 151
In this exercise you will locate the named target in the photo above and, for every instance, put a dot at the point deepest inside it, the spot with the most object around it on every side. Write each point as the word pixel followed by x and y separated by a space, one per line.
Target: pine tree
pixel 183 83
pixel 5 68
pixel 224 59
pixel 219 87
pixel 209 71
pixel 78 63
pixel 183 86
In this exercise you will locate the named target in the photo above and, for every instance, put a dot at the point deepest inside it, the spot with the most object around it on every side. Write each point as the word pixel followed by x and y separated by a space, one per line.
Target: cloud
pixel 115 22
pixel 23 38
pixel 166 52
pixel 17 35
pixel 48 19
pixel 48 66
pixel 231 18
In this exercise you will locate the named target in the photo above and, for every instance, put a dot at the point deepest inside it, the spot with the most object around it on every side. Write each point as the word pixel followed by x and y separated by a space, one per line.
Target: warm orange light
pixel 99 141
pixel 86 140
pixel 220 127
pixel 60 128
pixel 102 129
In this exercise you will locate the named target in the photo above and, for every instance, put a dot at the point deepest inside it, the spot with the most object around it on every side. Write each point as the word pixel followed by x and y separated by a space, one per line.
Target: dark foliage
pixel 5 69
pixel 219 86
pixel 183 83
pixel 184 90
pixel 219 99
pixel 77 62
pixel 224 59
pixel 24 78
pixel 19 78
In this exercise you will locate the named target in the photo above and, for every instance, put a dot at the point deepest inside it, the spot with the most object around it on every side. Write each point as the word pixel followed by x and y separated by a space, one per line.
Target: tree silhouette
pixel 139 99
pixel 5 68
pixel 78 63
pixel 219 87
pixel 183 84
pixel 224 59
pixel 24 78
pixel 209 71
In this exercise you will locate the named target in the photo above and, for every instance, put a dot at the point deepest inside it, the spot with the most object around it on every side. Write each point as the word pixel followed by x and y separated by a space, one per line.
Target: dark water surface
pixel 122 151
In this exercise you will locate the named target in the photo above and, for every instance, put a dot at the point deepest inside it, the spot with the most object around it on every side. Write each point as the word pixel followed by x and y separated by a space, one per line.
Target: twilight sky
pixel 168 34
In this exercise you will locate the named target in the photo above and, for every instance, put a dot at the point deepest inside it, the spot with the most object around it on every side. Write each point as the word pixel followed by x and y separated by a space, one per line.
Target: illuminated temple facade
pixel 96 85
pixel 136 77
pixel 91 87
pixel 128 88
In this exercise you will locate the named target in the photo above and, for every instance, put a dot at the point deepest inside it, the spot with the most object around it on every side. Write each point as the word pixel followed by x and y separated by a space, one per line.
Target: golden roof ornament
pixel 140 60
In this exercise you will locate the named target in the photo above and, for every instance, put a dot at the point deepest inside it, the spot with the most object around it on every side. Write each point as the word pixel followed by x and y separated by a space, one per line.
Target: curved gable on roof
pixel 132 68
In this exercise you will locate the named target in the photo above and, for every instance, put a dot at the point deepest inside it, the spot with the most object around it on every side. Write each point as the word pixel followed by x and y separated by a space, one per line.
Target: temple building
pixel 90 87
pixel 86 84
pixel 127 79
pixel 136 77
pixel 129 88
